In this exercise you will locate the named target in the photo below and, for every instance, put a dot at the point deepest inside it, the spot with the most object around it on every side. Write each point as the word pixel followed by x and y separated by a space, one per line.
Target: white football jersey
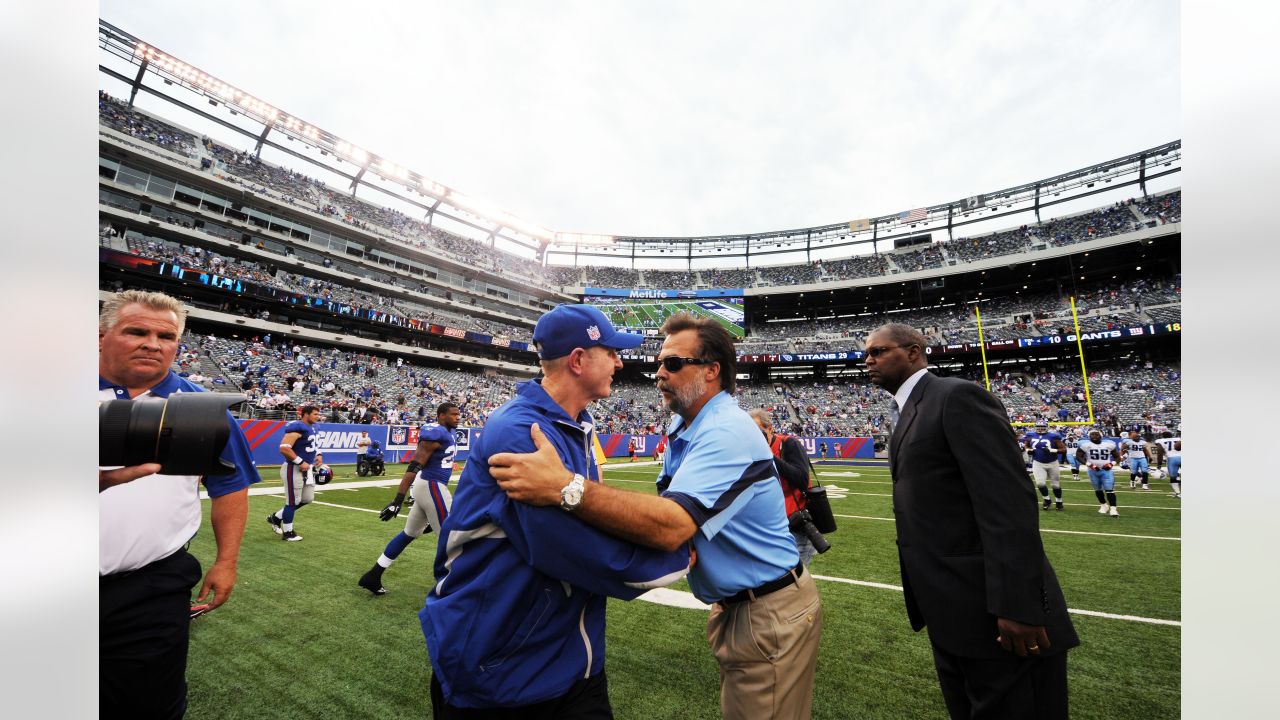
pixel 1135 448
pixel 1098 453
pixel 1167 444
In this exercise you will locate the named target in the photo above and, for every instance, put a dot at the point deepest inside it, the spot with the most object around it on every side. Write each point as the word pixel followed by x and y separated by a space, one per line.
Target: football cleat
pixel 290 536
pixel 1146 487
pixel 1059 506
pixel 275 523
pixel 1102 509
pixel 1047 503
pixel 372 582
pixel 1115 513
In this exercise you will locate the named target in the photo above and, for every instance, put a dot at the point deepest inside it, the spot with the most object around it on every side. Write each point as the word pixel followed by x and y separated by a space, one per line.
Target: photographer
pixel 793 472
pixel 145 521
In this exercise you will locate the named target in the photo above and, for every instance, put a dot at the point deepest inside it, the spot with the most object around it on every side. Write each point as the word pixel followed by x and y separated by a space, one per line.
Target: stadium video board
pixel 644 311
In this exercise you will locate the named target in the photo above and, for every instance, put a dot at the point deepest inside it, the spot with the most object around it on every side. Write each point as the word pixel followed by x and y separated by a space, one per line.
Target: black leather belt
pixel 787 580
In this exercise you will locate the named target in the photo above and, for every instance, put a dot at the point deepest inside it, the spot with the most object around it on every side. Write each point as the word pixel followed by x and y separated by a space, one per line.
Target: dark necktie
pixel 894 414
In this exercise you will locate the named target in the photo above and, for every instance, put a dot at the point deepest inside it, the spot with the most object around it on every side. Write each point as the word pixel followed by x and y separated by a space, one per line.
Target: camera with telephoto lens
pixel 802 521
pixel 185 432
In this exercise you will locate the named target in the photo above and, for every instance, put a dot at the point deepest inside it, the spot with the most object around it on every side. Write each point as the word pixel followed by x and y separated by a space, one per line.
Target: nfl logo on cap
pixel 593 332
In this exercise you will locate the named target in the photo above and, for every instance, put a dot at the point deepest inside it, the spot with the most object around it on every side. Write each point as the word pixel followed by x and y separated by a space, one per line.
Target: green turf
pixel 300 640
pixel 648 314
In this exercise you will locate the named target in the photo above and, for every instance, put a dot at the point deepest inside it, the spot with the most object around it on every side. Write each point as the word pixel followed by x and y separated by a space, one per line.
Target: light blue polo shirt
pixel 720 470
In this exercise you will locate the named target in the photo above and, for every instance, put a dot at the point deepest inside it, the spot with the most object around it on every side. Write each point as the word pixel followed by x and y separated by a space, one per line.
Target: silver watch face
pixel 571 494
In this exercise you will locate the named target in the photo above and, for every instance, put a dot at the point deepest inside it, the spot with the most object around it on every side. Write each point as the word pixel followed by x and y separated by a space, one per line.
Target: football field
pixel 299 639
pixel 653 314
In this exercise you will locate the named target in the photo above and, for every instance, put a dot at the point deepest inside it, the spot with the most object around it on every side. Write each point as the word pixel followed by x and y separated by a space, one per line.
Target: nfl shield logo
pixel 593 332
pixel 399 435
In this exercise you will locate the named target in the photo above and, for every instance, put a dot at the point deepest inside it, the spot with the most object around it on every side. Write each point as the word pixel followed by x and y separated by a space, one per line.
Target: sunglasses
pixel 876 352
pixel 675 363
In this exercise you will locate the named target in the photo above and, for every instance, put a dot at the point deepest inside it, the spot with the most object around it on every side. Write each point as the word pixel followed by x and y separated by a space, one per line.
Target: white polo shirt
pixel 150 518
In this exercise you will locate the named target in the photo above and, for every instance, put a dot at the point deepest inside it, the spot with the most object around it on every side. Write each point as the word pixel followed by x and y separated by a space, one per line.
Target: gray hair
pixel 109 315
pixel 762 416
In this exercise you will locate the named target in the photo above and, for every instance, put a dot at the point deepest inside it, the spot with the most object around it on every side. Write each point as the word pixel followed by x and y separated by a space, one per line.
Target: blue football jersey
pixel 305 445
pixel 440 464
pixel 1044 446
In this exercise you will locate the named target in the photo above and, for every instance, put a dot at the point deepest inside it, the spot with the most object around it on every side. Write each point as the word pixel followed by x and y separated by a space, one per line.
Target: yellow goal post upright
pixel 1084 373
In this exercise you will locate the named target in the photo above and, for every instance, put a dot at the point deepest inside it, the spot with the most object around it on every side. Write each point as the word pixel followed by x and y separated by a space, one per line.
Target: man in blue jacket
pixel 719 490
pixel 515 622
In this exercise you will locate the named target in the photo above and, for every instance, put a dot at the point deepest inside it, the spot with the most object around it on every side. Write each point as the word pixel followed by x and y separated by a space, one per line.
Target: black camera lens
pixel 185 432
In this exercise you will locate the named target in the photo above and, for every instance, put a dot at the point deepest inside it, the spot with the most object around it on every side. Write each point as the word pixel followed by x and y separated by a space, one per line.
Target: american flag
pixel 912 215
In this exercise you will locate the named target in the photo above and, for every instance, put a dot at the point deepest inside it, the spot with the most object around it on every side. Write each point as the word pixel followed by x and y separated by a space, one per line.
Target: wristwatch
pixel 571 494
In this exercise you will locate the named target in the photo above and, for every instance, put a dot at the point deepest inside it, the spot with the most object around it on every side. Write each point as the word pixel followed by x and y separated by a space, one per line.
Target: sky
pixel 681 118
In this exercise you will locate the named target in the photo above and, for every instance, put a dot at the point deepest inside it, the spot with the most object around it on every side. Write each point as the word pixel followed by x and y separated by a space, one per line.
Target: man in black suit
pixel 973 568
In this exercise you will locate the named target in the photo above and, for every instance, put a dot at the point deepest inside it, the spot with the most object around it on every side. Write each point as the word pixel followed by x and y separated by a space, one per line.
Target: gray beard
pixel 685 397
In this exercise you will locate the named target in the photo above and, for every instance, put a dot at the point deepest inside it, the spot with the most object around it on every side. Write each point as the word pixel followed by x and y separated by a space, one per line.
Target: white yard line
pixel 1048 530
pixel 346 507
pixel 677 598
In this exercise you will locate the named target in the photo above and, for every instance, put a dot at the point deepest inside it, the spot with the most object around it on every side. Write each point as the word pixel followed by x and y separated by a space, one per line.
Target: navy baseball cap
pixel 566 327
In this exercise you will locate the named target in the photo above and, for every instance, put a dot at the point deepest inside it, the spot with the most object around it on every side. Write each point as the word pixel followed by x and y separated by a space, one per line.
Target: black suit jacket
pixel 968 523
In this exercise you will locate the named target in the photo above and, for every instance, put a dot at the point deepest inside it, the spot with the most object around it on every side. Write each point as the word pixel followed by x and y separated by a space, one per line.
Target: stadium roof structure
pixel 432 197
pixel 1134 169
pixel 436 199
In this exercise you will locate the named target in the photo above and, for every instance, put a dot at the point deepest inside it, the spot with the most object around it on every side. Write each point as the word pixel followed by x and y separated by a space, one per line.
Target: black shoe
pixel 1059 508
pixel 372 581
pixel 290 536
pixel 1046 503
pixel 276 524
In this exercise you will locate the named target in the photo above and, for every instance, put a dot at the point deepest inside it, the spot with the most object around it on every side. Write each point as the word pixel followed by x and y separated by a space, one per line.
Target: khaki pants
pixel 767 649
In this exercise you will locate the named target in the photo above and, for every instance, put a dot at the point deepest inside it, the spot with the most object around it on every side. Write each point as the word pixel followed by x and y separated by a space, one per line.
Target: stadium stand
pixel 277 378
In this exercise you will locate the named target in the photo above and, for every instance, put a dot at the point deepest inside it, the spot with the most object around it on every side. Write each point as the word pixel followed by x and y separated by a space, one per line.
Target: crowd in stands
pixel 1165 208
pixel 1102 222
pixel 361 303
pixel 790 274
pixel 1099 223
pixel 294 188
pixel 1009 242
pixel 352 387
pixel 858 266
pixel 564 275
pixel 113 114
pixel 729 278
pixel 1101 305
pixel 675 279
pixel 919 258
pixel 355 387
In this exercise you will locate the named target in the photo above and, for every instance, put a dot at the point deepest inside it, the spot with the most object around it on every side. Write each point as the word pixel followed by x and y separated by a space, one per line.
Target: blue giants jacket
pixel 517 612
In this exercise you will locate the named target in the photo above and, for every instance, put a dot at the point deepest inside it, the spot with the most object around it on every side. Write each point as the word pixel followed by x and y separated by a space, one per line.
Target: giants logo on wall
pixel 399 435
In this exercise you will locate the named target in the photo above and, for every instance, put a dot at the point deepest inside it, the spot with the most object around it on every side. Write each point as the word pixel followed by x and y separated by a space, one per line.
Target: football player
pixel 428 472
pixel 1173 451
pixel 1072 444
pixel 299 450
pixel 1044 446
pixel 1139 460
pixel 1100 456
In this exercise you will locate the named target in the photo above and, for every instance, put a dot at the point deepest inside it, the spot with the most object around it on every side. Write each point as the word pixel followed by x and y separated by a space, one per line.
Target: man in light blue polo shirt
pixel 719 487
